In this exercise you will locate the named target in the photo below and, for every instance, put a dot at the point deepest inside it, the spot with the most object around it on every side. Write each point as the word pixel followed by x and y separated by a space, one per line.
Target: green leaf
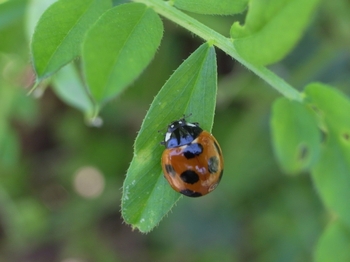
pixel 210 7
pixel 35 10
pixel 147 196
pixel 334 244
pixel 296 137
pixel 60 31
pixel 119 47
pixel 68 85
pixel 272 28
pixel 331 174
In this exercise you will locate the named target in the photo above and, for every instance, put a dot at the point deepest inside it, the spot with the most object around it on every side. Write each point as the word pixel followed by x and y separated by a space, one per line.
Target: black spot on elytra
pixel 193 150
pixel 190 193
pixel 170 170
pixel 213 164
pixel 217 148
pixel 189 177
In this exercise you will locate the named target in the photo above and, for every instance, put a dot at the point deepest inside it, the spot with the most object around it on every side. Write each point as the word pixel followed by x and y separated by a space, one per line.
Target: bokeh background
pixel 61 180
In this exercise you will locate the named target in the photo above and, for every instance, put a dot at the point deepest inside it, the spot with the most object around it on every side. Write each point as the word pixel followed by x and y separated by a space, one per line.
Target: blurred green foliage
pixel 256 214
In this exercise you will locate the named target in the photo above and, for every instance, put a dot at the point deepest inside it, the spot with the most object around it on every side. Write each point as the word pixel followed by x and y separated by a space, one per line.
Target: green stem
pixel 225 44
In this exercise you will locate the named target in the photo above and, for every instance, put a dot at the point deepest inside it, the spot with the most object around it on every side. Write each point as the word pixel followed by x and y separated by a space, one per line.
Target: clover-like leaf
pixel 34 11
pixel 272 28
pixel 58 35
pixel 295 133
pixel 68 85
pixel 119 47
pixel 331 174
pixel 147 196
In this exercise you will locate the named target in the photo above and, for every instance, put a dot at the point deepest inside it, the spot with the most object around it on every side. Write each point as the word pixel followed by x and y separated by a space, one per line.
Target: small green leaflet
pixel 58 35
pixel 334 243
pixel 118 48
pixel 331 174
pixel 147 196
pixel 68 85
pixel 212 7
pixel 295 133
pixel 35 9
pixel 271 29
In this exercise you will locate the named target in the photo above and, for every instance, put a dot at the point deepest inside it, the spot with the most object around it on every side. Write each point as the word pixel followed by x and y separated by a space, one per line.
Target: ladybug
pixel 192 161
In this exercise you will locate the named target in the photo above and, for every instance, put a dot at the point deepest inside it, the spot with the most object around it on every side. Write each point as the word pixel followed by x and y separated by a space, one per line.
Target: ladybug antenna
pixel 162 131
pixel 184 116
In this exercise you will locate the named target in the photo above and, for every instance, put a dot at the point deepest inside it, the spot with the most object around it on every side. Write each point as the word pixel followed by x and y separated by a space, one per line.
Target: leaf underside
pixel 271 30
pixel 331 174
pixel 296 136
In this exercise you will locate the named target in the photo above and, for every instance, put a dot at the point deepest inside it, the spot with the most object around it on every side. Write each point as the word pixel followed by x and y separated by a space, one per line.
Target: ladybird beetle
pixel 192 161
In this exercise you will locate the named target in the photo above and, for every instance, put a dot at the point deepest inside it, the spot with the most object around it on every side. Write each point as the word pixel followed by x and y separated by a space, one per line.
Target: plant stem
pixel 225 44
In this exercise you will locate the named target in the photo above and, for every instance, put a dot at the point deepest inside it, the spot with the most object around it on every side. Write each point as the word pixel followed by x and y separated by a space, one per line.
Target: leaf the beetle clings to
pixel 296 136
pixel 210 7
pixel 331 174
pixel 271 29
pixel 118 48
pixel 58 35
pixel 147 196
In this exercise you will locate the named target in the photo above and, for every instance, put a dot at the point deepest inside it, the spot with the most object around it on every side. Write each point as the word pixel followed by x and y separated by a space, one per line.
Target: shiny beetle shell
pixel 192 161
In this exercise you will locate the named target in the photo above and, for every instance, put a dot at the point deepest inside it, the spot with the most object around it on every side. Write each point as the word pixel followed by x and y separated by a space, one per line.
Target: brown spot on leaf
pixel 303 152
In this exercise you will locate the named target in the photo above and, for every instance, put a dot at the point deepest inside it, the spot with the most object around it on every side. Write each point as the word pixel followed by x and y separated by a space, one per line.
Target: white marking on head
pixel 190 124
pixel 167 136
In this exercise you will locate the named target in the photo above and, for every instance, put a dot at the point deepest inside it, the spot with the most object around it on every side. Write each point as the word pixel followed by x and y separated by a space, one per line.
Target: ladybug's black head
pixel 181 133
